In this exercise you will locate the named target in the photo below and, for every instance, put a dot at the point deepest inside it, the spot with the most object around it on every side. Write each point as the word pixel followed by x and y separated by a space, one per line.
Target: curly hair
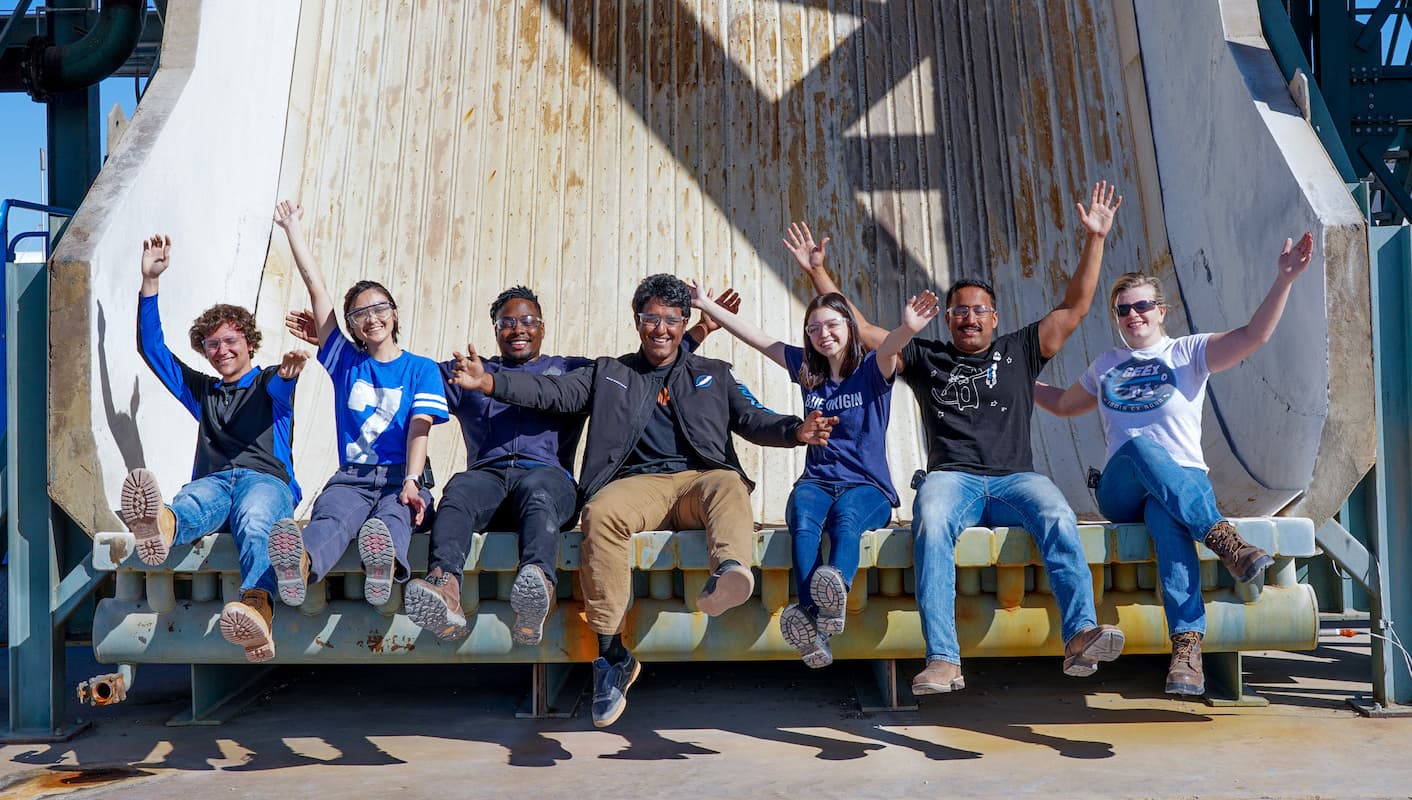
pixel 221 314
pixel 352 294
pixel 814 370
pixel 514 293
pixel 666 289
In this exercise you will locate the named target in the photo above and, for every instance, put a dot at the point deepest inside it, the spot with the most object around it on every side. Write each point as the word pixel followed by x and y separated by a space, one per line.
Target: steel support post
pixel 221 691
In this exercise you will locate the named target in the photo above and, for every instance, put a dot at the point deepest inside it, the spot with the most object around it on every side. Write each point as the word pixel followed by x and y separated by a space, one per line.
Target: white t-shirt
pixel 1156 392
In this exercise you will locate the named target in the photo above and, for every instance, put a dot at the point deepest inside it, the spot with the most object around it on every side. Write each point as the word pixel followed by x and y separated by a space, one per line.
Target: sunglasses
pixel 1142 307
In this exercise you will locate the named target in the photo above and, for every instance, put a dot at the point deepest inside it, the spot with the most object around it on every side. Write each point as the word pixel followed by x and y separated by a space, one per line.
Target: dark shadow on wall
pixel 122 424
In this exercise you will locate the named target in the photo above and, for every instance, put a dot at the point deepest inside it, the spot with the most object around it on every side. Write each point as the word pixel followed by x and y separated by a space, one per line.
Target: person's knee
pixel 600 518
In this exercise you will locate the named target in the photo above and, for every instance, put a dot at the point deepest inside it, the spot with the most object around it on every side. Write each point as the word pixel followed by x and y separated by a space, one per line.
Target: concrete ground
pixel 1020 728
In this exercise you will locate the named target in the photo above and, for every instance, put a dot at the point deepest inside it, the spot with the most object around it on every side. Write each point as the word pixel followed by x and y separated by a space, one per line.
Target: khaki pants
pixel 715 500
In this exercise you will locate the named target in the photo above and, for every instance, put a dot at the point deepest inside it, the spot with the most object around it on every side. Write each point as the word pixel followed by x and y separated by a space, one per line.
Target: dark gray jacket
pixel 620 399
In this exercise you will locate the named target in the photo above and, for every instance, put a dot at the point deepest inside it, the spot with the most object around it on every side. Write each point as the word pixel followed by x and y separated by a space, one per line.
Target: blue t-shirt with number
pixel 374 401
pixel 857 448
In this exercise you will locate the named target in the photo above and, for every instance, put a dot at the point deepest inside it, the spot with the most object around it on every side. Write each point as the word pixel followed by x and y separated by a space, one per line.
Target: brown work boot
pixel 1090 646
pixel 531 597
pixel 434 603
pixel 1185 675
pixel 1242 559
pixel 152 523
pixel 247 624
pixel 938 678
pixel 729 585
pixel 290 561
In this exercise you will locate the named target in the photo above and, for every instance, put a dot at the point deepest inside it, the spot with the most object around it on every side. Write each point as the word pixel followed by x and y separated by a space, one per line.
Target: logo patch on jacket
pixel 702 381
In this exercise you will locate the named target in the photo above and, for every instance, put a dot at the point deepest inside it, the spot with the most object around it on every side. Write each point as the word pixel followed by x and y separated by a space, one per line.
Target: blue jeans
pixel 843 511
pixel 949 502
pixel 243 501
pixel 1141 483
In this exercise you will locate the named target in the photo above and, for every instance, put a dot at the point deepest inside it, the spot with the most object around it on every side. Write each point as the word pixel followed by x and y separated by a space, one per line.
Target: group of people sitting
pixel 660 455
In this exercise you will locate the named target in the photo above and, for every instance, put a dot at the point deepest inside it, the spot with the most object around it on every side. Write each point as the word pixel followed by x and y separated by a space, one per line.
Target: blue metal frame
pixel 11 203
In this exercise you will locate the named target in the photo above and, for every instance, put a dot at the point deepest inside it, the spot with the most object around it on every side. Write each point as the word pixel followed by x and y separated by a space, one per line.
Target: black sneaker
pixel 610 688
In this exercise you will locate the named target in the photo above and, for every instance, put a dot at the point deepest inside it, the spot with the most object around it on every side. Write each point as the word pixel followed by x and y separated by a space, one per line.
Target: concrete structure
pixel 450 149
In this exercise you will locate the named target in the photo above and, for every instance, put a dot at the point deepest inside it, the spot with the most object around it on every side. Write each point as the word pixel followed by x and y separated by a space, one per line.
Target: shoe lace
pixel 1184 648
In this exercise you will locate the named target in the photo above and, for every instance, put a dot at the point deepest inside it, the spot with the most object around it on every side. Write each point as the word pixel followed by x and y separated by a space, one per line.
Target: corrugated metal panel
pixel 453 149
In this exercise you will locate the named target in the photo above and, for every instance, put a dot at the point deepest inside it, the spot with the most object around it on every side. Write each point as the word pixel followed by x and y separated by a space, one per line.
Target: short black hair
pixel 966 282
pixel 667 289
pixel 514 293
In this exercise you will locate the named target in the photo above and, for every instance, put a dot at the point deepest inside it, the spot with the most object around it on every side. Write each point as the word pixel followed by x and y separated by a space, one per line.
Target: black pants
pixel 536 501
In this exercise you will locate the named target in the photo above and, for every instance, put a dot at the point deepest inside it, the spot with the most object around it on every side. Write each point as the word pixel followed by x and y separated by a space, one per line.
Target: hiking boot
pixel 610 688
pixel 801 632
pixel 434 604
pixel 153 524
pixel 938 678
pixel 531 596
pixel 290 561
pixel 379 559
pixel 246 624
pixel 1185 675
pixel 729 586
pixel 830 594
pixel 1242 559
pixel 1090 646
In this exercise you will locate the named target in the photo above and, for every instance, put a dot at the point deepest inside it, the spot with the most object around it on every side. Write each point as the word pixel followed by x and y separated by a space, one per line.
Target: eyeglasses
pixel 651 320
pixel 382 312
pixel 961 312
pixel 527 321
pixel 831 325
pixel 1142 307
pixel 214 345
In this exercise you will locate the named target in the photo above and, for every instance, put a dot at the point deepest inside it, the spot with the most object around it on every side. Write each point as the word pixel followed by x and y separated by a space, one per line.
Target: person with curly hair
pixel 243 476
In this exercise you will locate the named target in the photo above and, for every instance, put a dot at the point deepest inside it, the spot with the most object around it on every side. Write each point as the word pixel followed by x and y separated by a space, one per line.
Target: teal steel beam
pixel 74 119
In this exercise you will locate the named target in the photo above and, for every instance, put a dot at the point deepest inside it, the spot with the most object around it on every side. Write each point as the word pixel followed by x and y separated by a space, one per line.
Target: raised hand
pixel 1097 219
pixel 729 300
pixel 815 428
pixel 468 372
pixel 293 364
pixel 301 325
pixel 695 292
pixel 411 497
pixel 156 256
pixel 1295 257
pixel 920 310
pixel 287 214
pixel 799 241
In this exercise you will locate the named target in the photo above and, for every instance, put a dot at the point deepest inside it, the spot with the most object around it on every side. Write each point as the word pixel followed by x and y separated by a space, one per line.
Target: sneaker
pixel 531 595
pixel 830 594
pixel 939 677
pixel 1242 559
pixel 1090 646
pixel 290 561
pixel 1185 675
pixel 434 604
pixel 153 524
pixel 379 561
pixel 246 624
pixel 729 586
pixel 802 633
pixel 610 688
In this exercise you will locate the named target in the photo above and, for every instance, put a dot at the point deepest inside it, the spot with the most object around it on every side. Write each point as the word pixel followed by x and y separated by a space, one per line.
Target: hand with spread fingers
pixel 469 373
pixel 799 241
pixel 293 363
pixel 301 324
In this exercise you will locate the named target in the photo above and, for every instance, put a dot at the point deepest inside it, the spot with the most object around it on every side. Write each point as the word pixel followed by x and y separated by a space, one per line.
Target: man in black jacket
pixel 659 455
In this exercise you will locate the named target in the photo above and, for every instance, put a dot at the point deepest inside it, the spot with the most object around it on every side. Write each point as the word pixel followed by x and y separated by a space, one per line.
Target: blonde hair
pixel 1134 280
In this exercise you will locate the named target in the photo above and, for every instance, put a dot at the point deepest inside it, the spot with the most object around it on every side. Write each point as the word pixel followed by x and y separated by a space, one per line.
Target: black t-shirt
pixel 662 447
pixel 977 407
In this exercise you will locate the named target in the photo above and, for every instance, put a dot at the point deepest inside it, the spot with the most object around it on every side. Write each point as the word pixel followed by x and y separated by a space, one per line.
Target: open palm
pixel 1102 206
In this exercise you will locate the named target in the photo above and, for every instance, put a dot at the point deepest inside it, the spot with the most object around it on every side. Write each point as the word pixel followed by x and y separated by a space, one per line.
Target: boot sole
pixel 799 633
pixel 1255 569
pixel 378 556
pixel 831 595
pixel 939 688
pixel 529 599
pixel 286 549
pixel 612 716
pixel 141 506
pixel 732 588
pixel 1106 646
pixel 1187 689
pixel 243 627
pixel 426 608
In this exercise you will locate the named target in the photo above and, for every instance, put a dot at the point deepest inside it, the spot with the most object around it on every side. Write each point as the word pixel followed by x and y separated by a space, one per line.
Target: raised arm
pixel 799 241
pixel 1059 324
pixel 1064 403
pixel 156 257
pixel 919 311
pixel 729 300
pixel 1225 350
pixel 287 217
pixel 768 345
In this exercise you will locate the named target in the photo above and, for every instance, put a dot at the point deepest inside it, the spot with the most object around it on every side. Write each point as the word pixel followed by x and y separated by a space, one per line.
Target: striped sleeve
pixel 427 395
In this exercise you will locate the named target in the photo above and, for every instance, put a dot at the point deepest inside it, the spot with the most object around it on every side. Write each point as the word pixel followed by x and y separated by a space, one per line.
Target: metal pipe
pixel 45 69
pixel 109 689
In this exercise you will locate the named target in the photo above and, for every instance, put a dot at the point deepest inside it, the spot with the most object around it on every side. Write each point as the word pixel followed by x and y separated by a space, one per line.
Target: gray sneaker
pixel 831 596
pixel 610 688
pixel 802 633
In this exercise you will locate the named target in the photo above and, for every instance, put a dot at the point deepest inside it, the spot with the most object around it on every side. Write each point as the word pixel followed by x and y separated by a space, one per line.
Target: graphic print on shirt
pixel 962 390
pixel 1137 385
pixel 384 403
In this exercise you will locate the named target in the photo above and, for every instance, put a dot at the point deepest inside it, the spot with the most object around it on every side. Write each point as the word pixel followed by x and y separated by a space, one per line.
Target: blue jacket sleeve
pixel 182 381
